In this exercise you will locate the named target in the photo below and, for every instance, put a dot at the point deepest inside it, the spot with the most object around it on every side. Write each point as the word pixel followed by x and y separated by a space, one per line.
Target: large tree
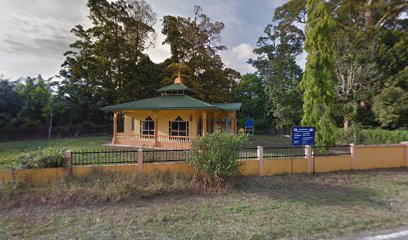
pixel 319 79
pixel 36 107
pixel 250 91
pixel 366 32
pixel 106 65
pixel 195 43
pixel 370 50
pixel 276 63
pixel 10 102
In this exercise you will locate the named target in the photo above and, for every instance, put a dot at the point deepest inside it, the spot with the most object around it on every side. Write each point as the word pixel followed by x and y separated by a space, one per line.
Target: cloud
pixel 159 52
pixel 35 34
pixel 243 51
pixel 238 56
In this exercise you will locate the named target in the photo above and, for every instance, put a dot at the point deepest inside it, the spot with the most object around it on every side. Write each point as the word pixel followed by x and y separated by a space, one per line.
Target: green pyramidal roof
pixel 172 102
pixel 228 106
pixel 168 102
pixel 175 87
pixel 173 97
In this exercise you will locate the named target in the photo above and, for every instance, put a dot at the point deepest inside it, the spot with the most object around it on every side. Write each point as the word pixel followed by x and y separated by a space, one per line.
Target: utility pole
pixel 50 125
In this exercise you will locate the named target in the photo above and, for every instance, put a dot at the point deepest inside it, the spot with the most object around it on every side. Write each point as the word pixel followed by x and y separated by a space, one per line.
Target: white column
pixel 204 123
pixel 406 152
pixel 156 128
pixel 140 159
pixel 115 127
pixel 353 156
pixel 260 154
pixel 308 153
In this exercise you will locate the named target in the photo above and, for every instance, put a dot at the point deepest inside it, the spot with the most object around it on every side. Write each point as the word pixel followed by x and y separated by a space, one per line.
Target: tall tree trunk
pixel 368 13
pixel 345 123
pixel 50 126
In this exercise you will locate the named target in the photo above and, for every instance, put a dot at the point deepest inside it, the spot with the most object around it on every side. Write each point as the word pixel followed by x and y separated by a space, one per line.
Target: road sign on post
pixel 302 136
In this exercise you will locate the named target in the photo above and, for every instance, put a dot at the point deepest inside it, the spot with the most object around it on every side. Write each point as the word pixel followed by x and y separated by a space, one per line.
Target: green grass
pixel 9 151
pixel 270 140
pixel 280 207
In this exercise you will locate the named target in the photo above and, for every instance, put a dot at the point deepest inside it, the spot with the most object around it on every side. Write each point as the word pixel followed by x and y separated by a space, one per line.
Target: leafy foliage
pixel 370 136
pixel 319 79
pixel 106 65
pixel 277 51
pixel 365 43
pixel 41 158
pixel 250 92
pixel 216 154
pixel 391 107
pixel 195 42
pixel 25 103
pixel 370 49
pixel 10 102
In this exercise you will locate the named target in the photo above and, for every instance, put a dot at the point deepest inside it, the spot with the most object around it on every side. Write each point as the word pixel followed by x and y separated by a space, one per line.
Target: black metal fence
pixel 104 156
pixel 130 155
pixel 280 152
pixel 166 155
pixel 248 153
pixel 331 150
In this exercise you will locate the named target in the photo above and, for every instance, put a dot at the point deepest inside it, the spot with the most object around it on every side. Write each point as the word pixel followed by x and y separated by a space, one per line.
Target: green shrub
pixel 42 158
pixel 381 136
pixel 216 154
pixel 370 136
pixel 354 134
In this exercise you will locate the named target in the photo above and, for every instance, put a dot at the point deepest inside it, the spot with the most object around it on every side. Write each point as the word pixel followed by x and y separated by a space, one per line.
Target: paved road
pixel 400 235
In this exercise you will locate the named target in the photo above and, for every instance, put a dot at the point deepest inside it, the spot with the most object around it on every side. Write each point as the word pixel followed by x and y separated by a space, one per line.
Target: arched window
pixel 178 127
pixel 147 126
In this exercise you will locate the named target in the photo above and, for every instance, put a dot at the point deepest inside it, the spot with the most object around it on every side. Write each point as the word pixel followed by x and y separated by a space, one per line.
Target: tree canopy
pixel 357 64
pixel 195 43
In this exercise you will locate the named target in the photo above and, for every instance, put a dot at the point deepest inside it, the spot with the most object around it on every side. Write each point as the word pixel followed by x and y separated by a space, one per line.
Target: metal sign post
pixel 305 136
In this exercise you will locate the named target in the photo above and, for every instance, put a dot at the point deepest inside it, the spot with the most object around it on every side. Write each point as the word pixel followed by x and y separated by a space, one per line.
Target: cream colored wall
pixel 380 156
pixel 164 116
pixel 127 123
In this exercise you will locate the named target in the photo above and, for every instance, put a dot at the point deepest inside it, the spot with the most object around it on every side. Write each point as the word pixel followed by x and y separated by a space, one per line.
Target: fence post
pixel 140 160
pixel 68 163
pixel 406 152
pixel 308 153
pixel 353 156
pixel 261 161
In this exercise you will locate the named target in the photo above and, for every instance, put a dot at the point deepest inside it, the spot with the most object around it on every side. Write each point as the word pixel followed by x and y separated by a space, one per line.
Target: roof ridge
pixel 198 100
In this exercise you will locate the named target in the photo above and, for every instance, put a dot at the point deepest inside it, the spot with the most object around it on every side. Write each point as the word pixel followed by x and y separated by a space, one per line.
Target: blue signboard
pixel 303 136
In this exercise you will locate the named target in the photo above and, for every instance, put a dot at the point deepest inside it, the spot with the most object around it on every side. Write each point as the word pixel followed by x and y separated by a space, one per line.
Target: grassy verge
pixel 294 207
pixel 9 151
pixel 270 140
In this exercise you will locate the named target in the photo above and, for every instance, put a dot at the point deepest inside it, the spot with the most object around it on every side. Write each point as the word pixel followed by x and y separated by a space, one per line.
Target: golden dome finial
pixel 178 79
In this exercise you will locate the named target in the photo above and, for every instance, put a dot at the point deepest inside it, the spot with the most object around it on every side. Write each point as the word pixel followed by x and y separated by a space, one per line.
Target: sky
pixel 34 34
